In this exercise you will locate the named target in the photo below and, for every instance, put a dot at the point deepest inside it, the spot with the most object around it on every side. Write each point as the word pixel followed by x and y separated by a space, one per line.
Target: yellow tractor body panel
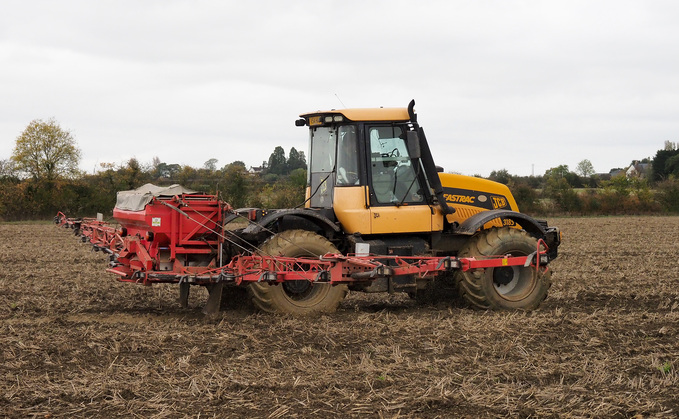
pixel 471 195
pixel 351 210
pixel 402 219
pixel 366 114
pixel 436 219
pixel 356 217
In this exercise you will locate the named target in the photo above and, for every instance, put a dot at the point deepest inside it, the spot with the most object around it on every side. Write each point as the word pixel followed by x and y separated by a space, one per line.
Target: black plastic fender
pixel 317 218
pixel 476 221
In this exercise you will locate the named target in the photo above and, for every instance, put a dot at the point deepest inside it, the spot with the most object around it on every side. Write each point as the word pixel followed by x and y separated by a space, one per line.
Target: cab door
pixel 397 202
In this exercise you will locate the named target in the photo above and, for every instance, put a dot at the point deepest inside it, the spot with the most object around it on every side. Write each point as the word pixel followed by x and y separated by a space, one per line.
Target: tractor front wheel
pixel 297 297
pixel 507 287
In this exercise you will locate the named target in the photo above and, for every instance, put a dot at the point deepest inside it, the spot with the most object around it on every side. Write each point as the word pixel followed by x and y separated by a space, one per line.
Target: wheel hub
pixel 503 276
pixel 296 287
pixel 507 280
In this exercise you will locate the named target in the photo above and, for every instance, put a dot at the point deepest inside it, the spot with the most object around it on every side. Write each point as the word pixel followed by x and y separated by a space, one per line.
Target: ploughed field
pixel 605 343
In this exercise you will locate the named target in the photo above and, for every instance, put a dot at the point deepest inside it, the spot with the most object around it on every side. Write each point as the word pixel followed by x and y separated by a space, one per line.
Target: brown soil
pixel 75 342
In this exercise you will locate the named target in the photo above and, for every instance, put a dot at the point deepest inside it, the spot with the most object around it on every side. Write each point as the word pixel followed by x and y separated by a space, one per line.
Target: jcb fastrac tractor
pixel 379 216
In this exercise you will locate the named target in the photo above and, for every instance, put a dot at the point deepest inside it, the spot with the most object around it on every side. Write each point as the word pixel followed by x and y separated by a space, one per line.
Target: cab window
pixel 347 156
pixel 323 144
pixel 394 179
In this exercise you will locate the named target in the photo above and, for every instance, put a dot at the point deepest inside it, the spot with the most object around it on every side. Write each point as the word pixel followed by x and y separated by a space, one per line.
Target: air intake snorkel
pixel 428 162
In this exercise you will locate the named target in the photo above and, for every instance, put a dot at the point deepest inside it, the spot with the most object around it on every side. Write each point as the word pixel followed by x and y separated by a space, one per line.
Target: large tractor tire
pixel 507 287
pixel 297 297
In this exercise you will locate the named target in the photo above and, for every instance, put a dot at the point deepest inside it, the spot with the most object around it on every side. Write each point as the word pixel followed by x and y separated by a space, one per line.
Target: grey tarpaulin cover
pixel 136 199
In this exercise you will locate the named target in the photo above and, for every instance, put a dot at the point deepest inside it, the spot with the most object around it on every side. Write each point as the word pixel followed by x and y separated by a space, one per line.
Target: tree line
pixel 647 186
pixel 42 177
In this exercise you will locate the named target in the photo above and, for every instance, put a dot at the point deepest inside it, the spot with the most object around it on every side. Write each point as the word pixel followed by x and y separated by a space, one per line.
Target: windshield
pixel 322 149
pixel 323 143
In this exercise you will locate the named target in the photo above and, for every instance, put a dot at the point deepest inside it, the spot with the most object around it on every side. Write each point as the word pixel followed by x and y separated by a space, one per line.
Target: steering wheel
pixel 347 178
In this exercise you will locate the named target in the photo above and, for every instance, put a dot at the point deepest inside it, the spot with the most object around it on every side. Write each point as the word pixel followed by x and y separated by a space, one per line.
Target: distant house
pixel 615 172
pixel 256 170
pixel 638 170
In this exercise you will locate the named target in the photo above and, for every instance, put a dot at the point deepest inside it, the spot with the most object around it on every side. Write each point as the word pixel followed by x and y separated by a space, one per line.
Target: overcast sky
pixel 516 85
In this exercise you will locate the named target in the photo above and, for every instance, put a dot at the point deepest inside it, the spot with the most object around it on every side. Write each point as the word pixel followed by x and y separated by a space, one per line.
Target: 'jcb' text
pixel 499 202
pixel 463 199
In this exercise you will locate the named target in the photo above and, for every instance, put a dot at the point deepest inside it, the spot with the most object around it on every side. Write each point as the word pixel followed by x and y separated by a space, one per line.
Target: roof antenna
pixel 340 101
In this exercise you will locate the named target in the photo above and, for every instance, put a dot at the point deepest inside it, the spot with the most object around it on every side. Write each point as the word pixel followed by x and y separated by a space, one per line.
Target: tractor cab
pixel 365 165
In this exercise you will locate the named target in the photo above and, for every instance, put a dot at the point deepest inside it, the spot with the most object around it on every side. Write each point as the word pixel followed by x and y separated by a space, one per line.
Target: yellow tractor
pixel 373 188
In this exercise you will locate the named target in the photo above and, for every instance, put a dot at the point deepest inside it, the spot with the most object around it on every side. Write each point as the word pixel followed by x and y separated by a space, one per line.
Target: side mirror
pixel 413 144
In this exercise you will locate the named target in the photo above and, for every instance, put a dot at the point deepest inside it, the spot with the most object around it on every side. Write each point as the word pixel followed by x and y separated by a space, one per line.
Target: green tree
pixel 668 195
pixel 672 165
pixel 236 187
pixel 211 165
pixel 563 195
pixel 164 171
pixel 132 175
pixel 665 163
pixel 501 176
pixel 235 163
pixel 562 172
pixel 557 172
pixel 526 198
pixel 278 164
pixel 186 176
pixel 296 160
pixel 46 151
pixel 297 179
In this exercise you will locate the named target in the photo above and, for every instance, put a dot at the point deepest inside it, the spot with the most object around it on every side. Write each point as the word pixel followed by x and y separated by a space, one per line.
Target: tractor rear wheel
pixel 507 287
pixel 297 297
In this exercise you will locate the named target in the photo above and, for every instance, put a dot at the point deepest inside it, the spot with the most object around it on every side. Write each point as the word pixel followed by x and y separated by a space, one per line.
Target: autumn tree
pixel 7 169
pixel 45 151
pixel 585 168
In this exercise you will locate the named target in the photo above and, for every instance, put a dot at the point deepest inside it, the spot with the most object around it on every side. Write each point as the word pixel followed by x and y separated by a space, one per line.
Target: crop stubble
pixel 74 342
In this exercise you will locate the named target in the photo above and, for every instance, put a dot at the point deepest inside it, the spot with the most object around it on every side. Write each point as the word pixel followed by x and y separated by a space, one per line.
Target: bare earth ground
pixel 75 342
